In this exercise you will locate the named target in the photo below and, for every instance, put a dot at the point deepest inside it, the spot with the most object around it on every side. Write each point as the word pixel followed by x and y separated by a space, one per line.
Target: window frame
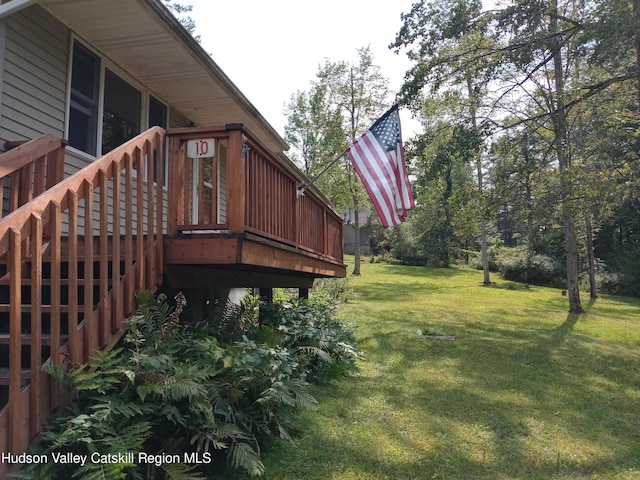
pixel 103 64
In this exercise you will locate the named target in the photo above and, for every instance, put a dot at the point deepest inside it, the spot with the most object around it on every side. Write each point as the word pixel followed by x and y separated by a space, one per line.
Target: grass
pixel 526 391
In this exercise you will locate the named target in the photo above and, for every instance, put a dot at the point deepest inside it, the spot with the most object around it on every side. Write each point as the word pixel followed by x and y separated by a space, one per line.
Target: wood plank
pixel 36 325
pixel 105 324
pixel 25 339
pixel 236 195
pixel 116 298
pixel 15 347
pixel 26 153
pixel 159 158
pixel 91 329
pixel 54 316
pixel 140 281
pixel 193 276
pixel 7 307
pixel 247 251
pixel 74 344
pixel 24 379
pixel 128 236
pixel 201 250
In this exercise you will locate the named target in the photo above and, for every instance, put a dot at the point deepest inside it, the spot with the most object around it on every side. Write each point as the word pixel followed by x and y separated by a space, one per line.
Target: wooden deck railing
pixel 30 168
pixel 99 233
pixel 244 188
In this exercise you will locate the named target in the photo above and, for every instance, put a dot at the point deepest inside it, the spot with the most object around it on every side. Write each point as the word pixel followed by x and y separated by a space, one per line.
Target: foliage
pixel 179 10
pixel 173 388
pixel 324 346
pixel 344 100
pixel 401 247
pixel 514 264
pixel 626 279
pixel 331 291
pixel 552 88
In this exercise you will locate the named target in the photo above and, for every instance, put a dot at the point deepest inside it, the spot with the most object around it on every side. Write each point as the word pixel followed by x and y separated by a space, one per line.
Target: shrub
pixel 173 388
pixel 324 345
pixel 620 284
pixel 512 264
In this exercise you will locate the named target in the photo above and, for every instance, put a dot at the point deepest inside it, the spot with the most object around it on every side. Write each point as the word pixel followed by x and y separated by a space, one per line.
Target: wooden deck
pixel 235 217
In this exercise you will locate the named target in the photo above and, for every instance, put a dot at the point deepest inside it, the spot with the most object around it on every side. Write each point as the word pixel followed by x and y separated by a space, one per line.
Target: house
pixel 129 159
pixel 370 228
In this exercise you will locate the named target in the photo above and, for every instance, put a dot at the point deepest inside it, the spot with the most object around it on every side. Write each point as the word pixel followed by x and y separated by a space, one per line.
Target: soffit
pixel 143 38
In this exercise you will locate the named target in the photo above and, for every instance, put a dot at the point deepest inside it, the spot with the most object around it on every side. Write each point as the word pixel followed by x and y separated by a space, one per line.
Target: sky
pixel 270 49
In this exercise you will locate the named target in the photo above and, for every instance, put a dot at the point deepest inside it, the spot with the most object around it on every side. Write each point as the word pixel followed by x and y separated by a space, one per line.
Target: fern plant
pixel 218 387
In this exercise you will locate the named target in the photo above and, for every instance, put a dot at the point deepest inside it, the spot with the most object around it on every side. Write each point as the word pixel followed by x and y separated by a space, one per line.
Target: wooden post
pixel 105 334
pixel 266 295
pixel 116 297
pixel 175 184
pixel 90 329
pixel 73 279
pixel 15 342
pixel 36 325
pixel 235 180
pixel 159 168
pixel 55 249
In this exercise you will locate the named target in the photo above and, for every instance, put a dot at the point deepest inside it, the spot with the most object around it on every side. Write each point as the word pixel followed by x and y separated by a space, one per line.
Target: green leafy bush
pixel 172 389
pixel 620 284
pixel 513 265
pixel 625 280
pixel 324 345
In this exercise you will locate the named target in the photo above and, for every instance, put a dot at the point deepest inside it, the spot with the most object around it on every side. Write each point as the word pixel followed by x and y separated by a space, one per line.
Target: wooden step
pixel 26 339
pixel 5 307
pixel 6 280
pixel 25 376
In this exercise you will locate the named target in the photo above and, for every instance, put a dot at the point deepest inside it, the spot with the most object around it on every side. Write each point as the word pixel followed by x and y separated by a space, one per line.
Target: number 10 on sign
pixel 201 148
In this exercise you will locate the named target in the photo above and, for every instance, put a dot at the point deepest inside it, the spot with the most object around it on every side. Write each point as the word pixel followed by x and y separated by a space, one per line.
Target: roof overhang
pixel 145 39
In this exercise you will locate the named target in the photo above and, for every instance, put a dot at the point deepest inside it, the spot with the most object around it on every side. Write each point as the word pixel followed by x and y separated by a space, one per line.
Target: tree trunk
pixel 484 257
pixel 564 162
pixel 593 289
pixel 356 225
pixel 636 16
pixel 529 201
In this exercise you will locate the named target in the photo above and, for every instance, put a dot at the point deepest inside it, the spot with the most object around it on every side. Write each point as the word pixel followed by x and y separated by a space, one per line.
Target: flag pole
pixel 302 185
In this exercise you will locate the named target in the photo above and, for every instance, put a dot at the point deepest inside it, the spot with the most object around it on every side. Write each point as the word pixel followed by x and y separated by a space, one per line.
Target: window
pixel 157 113
pixel 121 117
pixel 104 109
pixel 83 111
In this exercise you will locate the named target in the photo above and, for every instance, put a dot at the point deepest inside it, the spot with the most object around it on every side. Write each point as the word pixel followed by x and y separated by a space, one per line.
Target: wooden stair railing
pixel 31 168
pixel 71 261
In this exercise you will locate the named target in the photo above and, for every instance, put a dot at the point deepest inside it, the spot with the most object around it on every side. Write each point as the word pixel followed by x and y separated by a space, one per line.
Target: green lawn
pixel 526 391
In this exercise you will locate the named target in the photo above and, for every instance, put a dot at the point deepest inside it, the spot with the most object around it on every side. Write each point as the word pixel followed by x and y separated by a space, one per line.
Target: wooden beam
pixel 193 276
pixel 226 250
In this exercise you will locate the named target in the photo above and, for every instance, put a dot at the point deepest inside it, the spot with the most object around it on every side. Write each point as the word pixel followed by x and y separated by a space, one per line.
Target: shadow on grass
pixel 506 400
pixel 526 403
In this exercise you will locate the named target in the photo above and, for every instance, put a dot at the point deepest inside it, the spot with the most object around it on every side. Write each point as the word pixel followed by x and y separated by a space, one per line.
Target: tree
pixel 314 130
pixel 438 34
pixel 178 10
pixel 361 93
pixel 537 46
pixel 344 100
pixel 444 181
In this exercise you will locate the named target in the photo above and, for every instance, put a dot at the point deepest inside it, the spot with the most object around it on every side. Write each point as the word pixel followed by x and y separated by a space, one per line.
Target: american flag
pixel 378 157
